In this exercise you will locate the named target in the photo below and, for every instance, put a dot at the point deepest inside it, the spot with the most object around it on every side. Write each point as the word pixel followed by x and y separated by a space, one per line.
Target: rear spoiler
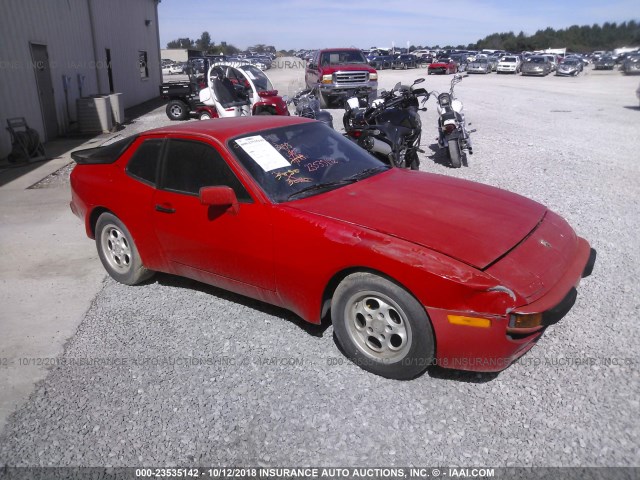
pixel 103 155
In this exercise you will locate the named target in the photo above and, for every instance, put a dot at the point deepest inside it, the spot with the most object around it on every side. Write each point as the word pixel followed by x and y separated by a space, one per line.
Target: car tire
pixel 118 252
pixel 177 110
pixel 204 116
pixel 381 327
pixel 454 154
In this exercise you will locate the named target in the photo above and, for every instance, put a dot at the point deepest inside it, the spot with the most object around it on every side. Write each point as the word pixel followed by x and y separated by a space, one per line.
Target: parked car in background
pixel 461 60
pixel 553 61
pixel 493 62
pixel 569 67
pixel 604 63
pixel 380 62
pixel 405 287
pixel 479 65
pixel 536 65
pixel 510 64
pixel 176 68
pixel 443 65
pixel 631 65
pixel 421 54
pixel 404 61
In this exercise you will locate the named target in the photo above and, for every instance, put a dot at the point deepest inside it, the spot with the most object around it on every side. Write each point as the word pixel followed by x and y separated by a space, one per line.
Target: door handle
pixel 163 209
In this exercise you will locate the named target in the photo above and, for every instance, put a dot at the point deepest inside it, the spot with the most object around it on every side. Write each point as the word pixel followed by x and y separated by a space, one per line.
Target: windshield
pixel 537 60
pixel 509 59
pixel 260 80
pixel 345 57
pixel 297 161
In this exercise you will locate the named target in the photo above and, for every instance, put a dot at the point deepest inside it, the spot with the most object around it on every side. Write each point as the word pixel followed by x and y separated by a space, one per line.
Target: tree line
pixel 585 38
pixel 208 46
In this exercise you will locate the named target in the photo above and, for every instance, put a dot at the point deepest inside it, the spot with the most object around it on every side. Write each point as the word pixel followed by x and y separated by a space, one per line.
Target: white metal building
pixel 55 51
pixel 180 54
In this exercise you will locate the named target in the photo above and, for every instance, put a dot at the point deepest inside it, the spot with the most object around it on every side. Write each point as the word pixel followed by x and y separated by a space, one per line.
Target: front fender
pixel 311 250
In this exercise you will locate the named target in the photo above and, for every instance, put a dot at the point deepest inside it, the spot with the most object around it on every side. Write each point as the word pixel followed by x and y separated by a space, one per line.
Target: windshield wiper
pixel 336 183
pixel 367 172
pixel 322 186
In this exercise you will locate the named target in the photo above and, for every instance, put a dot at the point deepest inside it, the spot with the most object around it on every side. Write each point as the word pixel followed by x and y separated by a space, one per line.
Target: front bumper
pixel 494 348
pixel 332 90
pixel 541 73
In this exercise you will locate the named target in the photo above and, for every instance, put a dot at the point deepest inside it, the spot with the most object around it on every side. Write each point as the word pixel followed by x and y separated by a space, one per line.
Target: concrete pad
pixel 49 274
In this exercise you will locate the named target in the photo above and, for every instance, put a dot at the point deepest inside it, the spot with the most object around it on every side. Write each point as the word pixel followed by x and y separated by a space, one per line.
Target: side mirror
pixel 220 197
pixel 418 80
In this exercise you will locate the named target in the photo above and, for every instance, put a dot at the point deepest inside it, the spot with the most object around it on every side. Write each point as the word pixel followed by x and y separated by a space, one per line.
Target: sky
pixel 298 24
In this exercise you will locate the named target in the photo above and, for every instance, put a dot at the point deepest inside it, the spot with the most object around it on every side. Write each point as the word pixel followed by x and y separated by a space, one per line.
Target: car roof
pixel 222 129
pixel 345 49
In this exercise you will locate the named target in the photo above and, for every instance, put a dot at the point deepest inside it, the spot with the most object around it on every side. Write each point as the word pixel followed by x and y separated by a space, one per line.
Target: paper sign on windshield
pixel 263 153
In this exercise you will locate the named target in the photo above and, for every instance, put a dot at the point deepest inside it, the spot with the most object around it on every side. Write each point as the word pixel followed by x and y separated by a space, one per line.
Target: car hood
pixel 468 221
pixel 353 67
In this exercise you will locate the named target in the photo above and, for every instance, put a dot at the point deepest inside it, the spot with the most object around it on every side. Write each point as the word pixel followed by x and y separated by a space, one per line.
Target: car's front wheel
pixel 118 252
pixel 381 327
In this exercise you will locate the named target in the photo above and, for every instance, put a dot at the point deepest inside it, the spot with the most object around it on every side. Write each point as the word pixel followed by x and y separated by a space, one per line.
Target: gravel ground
pixel 261 388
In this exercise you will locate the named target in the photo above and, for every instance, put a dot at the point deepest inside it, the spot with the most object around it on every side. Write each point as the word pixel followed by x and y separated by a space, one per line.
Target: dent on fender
pixel 500 288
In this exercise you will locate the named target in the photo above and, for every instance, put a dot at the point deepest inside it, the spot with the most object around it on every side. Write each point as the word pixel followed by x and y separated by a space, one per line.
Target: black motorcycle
pixel 390 127
pixel 307 104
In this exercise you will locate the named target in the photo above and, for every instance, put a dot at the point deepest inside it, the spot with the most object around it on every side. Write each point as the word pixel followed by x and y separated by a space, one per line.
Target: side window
pixel 143 164
pixel 191 165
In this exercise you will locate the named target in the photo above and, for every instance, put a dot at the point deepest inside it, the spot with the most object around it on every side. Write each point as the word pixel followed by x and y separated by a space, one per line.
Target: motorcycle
pixel 390 127
pixel 452 130
pixel 307 104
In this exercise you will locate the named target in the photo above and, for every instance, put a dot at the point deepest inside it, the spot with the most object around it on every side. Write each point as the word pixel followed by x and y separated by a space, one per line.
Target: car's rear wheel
pixel 381 327
pixel 118 252
pixel 204 116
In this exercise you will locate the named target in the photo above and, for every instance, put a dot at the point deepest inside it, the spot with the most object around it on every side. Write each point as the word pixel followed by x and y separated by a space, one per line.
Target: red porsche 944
pixel 413 268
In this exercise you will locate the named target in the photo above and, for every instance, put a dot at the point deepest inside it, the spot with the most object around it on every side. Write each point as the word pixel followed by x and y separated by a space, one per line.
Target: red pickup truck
pixel 338 73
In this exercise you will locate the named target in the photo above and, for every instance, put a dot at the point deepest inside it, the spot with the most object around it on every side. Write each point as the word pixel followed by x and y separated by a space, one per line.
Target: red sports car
pixel 443 65
pixel 414 268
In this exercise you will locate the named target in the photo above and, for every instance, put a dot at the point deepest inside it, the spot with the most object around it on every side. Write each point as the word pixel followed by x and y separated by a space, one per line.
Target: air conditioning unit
pixel 94 114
